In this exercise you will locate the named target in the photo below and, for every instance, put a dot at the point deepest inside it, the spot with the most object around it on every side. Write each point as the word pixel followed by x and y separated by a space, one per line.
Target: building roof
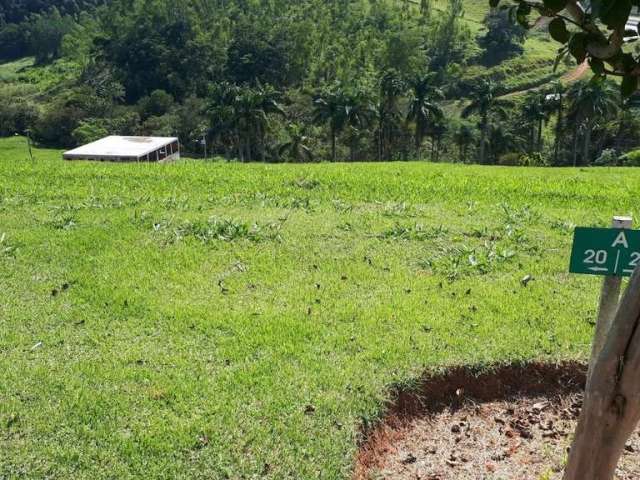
pixel 115 146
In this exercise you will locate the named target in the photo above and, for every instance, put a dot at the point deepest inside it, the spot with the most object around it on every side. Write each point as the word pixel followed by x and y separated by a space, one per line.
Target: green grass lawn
pixel 215 320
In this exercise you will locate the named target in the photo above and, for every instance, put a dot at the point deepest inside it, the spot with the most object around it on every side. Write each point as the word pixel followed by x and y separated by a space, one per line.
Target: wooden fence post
pixel 611 408
pixel 609 298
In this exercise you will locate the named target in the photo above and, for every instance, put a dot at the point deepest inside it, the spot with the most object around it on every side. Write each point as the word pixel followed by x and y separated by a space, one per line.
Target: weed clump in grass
pixel 218 230
pixel 459 261
pixel 7 248
pixel 413 232
pixel 306 183
pixel 64 222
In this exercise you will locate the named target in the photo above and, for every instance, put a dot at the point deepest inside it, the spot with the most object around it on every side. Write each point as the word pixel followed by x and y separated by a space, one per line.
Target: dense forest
pixel 303 80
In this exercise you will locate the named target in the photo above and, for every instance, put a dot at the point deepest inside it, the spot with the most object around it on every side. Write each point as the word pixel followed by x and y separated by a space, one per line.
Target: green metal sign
pixel 605 251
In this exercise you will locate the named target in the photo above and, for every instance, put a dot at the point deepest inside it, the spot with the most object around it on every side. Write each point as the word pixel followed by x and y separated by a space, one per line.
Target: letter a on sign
pixel 621 239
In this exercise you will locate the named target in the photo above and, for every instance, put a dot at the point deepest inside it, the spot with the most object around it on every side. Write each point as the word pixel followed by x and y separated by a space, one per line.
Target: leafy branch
pixel 596 34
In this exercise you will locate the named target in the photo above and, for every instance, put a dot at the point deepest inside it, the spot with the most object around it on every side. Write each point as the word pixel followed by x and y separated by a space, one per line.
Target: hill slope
pixel 215 320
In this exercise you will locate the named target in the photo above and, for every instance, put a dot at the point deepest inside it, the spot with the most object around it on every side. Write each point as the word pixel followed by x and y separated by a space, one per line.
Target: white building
pixel 128 149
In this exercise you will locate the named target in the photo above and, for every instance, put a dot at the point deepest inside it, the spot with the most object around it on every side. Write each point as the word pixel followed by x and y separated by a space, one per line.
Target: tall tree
pixel 329 109
pixel 243 113
pixel 486 103
pixel 423 108
pixel 535 113
pixel 392 87
pixel 296 148
pixel 464 137
pixel 589 103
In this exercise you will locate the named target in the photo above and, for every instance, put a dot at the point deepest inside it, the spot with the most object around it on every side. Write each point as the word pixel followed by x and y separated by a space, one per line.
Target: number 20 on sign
pixel 605 251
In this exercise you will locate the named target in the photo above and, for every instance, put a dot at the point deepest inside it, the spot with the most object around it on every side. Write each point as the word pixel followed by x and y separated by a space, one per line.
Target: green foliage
pixel 45 34
pixel 504 38
pixel 16 116
pixel 297 81
pixel 89 131
pixel 608 158
pixel 512 159
pixel 158 103
pixel 13 42
pixel 598 34
pixel 16 11
pixel 631 159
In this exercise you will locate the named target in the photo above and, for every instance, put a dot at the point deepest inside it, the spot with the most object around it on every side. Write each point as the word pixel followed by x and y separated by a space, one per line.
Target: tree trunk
pixel 575 147
pixel 483 138
pixel 559 128
pixel 611 409
pixel 380 138
pixel 540 127
pixel 333 144
pixel 586 147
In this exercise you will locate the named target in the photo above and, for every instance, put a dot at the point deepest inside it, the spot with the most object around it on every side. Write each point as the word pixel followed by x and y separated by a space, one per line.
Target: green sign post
pixel 605 251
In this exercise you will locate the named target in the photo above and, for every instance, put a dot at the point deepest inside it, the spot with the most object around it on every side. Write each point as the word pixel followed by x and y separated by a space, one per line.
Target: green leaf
pixel 597 66
pixel 555 5
pixel 628 62
pixel 558 30
pixel 522 15
pixel 494 3
pixel 577 46
pixel 615 13
pixel 629 86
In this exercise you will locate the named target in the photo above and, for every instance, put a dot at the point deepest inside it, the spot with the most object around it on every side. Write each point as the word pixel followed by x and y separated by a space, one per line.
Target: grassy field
pixel 214 320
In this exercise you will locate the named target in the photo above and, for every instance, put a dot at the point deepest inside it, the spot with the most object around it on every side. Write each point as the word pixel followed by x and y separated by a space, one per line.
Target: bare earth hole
pixel 509 423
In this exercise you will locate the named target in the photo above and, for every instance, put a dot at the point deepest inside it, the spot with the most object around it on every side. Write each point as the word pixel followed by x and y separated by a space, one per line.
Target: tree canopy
pixel 598 32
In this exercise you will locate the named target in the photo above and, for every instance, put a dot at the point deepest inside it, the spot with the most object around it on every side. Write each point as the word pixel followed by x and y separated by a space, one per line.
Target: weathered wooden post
pixel 609 298
pixel 611 408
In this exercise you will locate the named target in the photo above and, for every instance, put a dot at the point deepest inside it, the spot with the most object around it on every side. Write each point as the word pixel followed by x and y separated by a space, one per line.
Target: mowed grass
pixel 215 320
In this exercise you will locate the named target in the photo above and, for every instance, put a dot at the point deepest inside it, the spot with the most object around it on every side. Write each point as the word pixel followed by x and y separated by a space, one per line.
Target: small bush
pixel 608 157
pixel 218 230
pixel 631 159
pixel 512 159
pixel 89 131
pixel 16 116
pixel 412 232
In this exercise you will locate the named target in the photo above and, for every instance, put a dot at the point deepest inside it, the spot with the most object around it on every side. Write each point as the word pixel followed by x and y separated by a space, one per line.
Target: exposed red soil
pixel 509 423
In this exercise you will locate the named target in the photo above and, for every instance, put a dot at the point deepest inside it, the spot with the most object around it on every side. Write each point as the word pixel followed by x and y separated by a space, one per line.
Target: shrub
pixel 631 159
pixel 13 42
pixel 56 125
pixel 608 157
pixel 157 104
pixel 16 116
pixel 511 159
pixel 89 131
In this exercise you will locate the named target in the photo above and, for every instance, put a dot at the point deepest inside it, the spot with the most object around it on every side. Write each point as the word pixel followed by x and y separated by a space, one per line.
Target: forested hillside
pixel 303 80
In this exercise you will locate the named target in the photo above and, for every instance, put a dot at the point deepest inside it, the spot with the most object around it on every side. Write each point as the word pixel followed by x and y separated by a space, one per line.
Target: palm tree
pixel 464 136
pixel 254 105
pixel 535 112
pixel 437 130
pixel 485 102
pixel 503 139
pixel 359 113
pixel 590 102
pixel 392 87
pixel 329 108
pixel 296 148
pixel 241 113
pixel 340 108
pixel 626 123
pixel 554 102
pixel 423 107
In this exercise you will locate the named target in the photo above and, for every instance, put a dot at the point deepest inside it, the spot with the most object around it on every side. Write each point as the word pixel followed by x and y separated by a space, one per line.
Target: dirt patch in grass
pixel 509 423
